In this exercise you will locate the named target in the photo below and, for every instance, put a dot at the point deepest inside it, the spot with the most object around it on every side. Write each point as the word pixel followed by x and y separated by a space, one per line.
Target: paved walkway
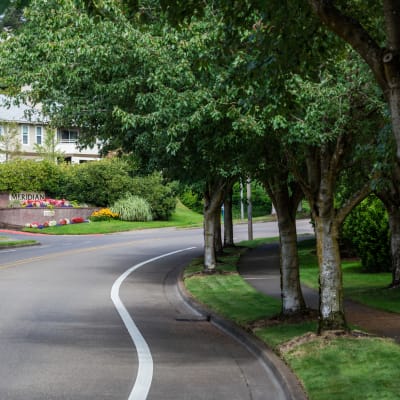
pixel 260 267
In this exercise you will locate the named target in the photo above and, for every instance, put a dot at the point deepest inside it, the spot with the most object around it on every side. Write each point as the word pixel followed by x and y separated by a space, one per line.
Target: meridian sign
pixel 23 196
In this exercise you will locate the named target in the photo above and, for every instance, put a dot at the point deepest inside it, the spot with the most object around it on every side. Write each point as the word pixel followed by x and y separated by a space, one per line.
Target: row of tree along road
pixel 303 97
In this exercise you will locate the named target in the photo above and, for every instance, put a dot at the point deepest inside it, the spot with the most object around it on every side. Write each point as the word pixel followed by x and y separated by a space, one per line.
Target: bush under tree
pixel 366 230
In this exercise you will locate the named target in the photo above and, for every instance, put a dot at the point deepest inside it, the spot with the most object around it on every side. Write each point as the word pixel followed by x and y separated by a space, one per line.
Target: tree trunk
pixel 210 261
pixel 391 62
pixel 292 296
pixel 394 223
pixel 213 198
pixel 217 232
pixel 331 308
pixel 228 219
pixel 285 200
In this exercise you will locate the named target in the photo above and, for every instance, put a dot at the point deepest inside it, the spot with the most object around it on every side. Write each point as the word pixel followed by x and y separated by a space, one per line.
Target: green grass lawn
pixel 7 242
pixel 227 293
pixel 182 217
pixel 340 368
pixel 347 369
pixel 367 288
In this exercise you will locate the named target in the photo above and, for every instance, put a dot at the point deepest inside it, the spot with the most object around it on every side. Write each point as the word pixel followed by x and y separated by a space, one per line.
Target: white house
pixel 32 127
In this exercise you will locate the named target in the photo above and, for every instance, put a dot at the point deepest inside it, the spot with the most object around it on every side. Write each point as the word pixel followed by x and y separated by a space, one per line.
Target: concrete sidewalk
pixel 260 268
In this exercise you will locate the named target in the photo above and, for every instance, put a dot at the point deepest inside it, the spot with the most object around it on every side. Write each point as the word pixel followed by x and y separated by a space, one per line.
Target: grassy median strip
pixel 330 367
pixel 227 293
pixel 6 242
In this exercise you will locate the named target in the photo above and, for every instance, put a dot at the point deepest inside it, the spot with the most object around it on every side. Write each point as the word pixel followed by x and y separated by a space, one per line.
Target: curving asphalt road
pixel 62 335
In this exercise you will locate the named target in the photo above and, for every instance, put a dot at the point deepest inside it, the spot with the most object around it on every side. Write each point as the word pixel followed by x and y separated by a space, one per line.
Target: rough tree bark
pixel 394 223
pixel 390 197
pixel 323 167
pixel 384 62
pixel 214 194
pixel 286 200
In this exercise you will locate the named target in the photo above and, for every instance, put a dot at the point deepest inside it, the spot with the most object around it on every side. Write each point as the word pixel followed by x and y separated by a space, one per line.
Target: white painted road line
pixel 144 376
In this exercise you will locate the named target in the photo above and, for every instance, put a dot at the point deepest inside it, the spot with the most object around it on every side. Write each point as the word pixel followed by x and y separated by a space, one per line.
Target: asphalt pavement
pixel 61 336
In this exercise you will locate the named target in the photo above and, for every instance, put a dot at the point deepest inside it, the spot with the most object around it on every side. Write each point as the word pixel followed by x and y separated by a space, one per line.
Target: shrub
pixel 29 175
pixel 367 229
pixel 192 200
pixel 160 196
pixel 100 183
pixel 132 208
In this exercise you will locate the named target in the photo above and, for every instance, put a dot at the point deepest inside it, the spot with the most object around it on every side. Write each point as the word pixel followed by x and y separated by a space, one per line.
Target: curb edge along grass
pixel 287 380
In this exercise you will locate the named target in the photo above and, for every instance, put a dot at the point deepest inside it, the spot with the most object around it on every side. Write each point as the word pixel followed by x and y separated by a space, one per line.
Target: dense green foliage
pixel 191 199
pixel 367 230
pixel 160 196
pixel 261 203
pixel 28 175
pixel 132 208
pixel 98 183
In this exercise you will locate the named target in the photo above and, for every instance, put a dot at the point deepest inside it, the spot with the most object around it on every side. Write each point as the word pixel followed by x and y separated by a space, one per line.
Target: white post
pixel 249 211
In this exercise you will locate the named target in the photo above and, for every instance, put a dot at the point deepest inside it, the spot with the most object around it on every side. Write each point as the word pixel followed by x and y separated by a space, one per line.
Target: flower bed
pixel 53 222
pixel 17 218
pixel 48 203
pixel 104 214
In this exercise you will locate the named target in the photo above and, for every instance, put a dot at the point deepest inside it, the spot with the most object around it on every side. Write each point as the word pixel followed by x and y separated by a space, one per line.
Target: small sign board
pixel 49 213
pixel 24 196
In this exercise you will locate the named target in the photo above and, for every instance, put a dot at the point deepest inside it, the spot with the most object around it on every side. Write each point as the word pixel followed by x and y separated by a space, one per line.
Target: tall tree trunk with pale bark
pixel 331 306
pixel 213 197
pixel 286 200
pixel 324 164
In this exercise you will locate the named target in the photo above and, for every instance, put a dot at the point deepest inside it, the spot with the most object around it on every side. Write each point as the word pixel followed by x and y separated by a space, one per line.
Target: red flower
pixel 77 220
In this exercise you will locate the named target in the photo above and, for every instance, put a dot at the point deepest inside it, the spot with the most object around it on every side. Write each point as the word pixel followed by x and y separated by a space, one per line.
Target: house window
pixel 39 135
pixel 25 134
pixel 67 136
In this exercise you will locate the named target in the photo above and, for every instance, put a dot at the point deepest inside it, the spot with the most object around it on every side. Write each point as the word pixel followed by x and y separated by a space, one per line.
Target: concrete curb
pixel 289 383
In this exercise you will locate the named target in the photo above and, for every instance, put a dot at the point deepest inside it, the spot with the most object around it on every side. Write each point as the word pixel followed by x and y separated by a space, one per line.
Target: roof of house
pixel 22 113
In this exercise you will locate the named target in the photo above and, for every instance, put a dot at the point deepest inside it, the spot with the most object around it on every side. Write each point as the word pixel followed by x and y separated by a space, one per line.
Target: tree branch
pixel 357 198
pixel 351 31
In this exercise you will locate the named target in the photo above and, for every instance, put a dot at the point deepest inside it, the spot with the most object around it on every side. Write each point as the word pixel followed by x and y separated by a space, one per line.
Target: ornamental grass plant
pixel 132 208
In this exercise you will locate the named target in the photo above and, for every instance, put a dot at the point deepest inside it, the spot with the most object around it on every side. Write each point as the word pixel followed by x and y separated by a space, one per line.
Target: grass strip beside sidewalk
pixel 329 367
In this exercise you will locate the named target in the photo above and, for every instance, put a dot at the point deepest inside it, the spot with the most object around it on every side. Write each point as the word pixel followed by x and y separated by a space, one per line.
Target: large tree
pixel 327 133
pixel 171 96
